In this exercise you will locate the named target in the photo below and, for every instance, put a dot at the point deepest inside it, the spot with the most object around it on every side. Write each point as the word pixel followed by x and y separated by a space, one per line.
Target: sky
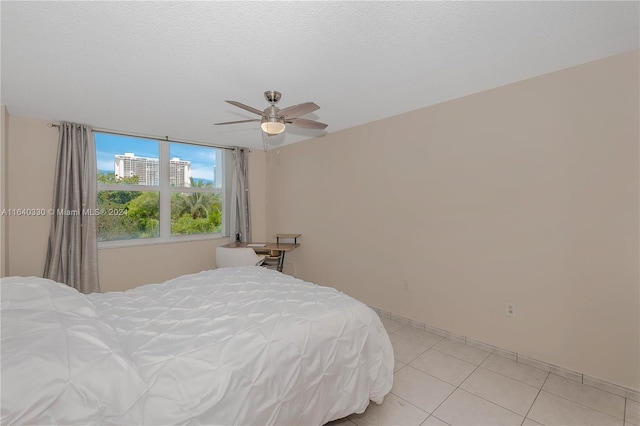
pixel 107 146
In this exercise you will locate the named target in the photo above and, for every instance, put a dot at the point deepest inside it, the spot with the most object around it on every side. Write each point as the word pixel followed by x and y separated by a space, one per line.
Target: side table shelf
pixel 274 251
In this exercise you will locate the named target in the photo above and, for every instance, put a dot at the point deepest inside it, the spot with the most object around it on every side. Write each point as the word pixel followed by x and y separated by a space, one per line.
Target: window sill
pixel 106 245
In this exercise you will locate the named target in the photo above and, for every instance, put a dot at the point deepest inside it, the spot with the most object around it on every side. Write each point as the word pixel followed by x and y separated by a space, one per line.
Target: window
pixel 158 191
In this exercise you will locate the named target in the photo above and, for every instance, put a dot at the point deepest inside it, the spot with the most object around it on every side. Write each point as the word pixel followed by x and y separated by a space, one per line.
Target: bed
pixel 230 346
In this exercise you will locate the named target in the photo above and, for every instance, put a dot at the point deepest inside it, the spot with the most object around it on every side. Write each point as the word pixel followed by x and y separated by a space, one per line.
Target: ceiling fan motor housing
pixel 271 111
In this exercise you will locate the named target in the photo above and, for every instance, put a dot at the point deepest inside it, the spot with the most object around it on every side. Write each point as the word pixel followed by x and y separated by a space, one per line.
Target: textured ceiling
pixel 165 68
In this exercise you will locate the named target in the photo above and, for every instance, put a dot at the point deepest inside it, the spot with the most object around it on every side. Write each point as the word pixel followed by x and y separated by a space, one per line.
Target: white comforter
pixel 245 346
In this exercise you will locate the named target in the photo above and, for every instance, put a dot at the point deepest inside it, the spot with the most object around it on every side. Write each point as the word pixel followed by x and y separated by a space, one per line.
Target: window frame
pixel 165 191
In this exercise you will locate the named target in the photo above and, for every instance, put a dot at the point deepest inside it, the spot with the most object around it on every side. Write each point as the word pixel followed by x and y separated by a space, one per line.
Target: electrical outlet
pixel 510 310
pixel 405 285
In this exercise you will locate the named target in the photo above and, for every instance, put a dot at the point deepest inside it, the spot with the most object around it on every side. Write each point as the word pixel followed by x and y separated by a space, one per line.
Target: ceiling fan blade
pixel 235 122
pixel 306 124
pixel 295 111
pixel 245 107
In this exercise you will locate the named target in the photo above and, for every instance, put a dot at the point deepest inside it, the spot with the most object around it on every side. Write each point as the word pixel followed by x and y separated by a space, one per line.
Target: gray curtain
pixel 240 209
pixel 72 252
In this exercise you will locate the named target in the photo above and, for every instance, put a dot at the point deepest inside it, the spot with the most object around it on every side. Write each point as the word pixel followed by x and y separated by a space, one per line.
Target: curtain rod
pixel 166 138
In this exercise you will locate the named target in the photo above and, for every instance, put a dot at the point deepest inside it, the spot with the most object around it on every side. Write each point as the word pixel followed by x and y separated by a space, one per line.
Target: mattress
pixel 230 346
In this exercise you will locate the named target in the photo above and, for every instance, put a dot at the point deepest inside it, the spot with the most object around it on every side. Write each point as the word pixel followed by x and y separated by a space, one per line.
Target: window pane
pixel 190 174
pixel 194 166
pixel 126 215
pixel 195 213
pixel 127 160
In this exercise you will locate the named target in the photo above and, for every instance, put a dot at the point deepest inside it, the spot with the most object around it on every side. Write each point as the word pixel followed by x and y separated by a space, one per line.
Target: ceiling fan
pixel 274 120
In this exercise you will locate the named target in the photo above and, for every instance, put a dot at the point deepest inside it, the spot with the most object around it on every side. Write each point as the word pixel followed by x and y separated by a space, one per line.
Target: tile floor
pixel 439 381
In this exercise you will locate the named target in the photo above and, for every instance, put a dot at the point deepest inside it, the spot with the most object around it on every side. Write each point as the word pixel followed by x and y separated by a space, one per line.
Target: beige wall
pixel 526 194
pixel 4 136
pixel 31 159
pixel 31 156
pixel 124 268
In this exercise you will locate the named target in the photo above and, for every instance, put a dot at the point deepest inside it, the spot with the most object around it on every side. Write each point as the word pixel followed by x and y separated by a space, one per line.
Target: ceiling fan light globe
pixel 273 126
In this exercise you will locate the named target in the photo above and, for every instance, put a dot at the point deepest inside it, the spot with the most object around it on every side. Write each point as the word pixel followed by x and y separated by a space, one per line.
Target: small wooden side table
pixel 274 250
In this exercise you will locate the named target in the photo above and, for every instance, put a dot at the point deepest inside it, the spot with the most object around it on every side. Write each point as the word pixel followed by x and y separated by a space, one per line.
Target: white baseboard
pixel 542 365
